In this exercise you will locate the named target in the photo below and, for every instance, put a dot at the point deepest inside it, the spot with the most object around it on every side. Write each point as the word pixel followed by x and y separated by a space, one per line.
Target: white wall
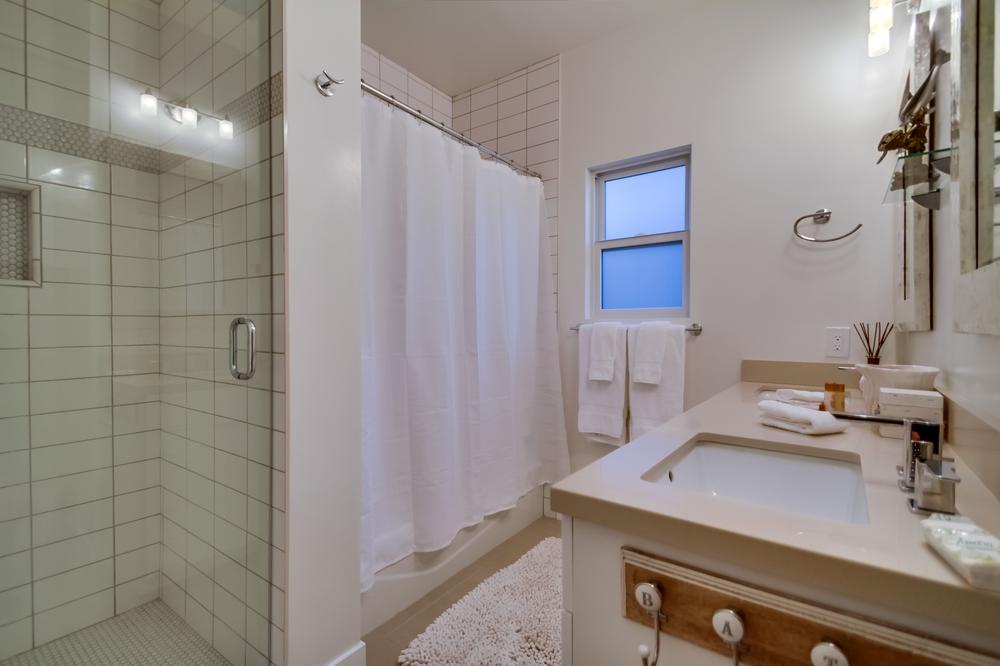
pixel 783 110
pixel 323 231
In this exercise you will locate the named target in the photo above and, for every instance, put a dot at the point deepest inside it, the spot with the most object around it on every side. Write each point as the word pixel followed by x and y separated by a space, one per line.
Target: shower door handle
pixel 234 369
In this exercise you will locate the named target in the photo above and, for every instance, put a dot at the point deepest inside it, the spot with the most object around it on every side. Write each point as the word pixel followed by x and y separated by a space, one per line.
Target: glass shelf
pixel 920 177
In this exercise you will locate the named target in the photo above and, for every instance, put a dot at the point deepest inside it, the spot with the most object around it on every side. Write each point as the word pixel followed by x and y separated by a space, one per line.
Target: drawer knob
pixel 828 654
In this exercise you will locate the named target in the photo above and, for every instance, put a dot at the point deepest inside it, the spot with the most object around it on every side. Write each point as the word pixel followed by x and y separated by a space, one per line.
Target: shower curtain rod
pixel 458 136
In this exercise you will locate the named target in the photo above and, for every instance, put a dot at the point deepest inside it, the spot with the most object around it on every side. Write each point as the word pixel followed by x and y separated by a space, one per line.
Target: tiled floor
pixel 384 644
pixel 150 635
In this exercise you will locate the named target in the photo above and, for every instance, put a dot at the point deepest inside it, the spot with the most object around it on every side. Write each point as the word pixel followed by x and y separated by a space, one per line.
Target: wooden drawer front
pixel 778 630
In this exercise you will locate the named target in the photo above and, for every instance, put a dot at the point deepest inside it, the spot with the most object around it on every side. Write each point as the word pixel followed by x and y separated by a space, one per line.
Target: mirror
pixel 975 106
pixel 912 222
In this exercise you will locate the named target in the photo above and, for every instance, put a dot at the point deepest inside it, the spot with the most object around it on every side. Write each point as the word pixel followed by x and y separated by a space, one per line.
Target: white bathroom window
pixel 641 241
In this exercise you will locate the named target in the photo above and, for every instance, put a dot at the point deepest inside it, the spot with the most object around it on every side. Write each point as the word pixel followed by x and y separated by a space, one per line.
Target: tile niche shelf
pixel 20 234
pixel 920 177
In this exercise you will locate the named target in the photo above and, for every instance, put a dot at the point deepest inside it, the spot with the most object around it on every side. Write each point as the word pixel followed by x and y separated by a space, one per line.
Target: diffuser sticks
pixel 873 337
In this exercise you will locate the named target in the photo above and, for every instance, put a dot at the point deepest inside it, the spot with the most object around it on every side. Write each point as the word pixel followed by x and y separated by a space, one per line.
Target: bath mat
pixel 512 617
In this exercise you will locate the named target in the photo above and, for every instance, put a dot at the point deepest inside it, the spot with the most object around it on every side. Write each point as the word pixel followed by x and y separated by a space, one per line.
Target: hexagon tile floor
pixel 151 634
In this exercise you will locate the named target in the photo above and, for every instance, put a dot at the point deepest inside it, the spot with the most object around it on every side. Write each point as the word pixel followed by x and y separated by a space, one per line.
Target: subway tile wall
pixel 518 116
pixel 80 444
pixel 131 465
pixel 79 405
pixel 395 80
pixel 220 222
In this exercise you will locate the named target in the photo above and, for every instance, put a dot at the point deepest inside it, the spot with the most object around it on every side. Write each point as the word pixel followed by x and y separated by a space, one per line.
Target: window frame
pixel 634 167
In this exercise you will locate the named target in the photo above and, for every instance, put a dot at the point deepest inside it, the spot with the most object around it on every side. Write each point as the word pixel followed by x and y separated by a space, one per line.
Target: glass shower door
pixel 136 471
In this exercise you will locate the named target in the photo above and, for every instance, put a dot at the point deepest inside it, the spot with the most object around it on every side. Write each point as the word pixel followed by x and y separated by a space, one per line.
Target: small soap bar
pixel 970 550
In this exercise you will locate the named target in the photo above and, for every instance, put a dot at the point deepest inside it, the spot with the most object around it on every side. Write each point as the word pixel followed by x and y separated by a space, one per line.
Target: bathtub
pixel 401 584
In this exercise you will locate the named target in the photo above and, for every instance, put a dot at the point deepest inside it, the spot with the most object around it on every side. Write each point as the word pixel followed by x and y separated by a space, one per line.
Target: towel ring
pixel 821 216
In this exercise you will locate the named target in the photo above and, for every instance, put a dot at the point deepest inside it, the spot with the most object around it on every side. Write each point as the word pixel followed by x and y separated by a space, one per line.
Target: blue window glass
pixel 647 203
pixel 643 276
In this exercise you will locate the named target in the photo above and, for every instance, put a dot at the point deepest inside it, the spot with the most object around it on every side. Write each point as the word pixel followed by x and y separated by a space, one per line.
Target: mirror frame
pixel 977 307
pixel 912 291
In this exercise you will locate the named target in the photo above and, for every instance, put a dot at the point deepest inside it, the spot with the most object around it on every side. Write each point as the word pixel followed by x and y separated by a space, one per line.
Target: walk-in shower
pixel 141 477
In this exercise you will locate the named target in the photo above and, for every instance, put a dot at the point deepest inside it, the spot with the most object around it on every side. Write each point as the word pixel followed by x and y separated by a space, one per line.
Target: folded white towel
pixel 650 344
pixel 799 419
pixel 603 349
pixel 795 395
pixel 602 403
pixel 651 405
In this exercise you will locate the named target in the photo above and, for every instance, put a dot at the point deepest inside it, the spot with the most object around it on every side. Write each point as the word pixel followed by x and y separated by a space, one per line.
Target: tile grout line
pixel 31 522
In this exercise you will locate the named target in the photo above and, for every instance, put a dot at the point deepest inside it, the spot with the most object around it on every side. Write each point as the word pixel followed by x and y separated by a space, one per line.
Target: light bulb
pixel 879 15
pixel 147 103
pixel 189 117
pixel 226 128
pixel 878 43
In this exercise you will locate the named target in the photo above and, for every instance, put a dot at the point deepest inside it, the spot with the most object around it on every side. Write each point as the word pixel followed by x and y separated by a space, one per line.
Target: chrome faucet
pixel 923 470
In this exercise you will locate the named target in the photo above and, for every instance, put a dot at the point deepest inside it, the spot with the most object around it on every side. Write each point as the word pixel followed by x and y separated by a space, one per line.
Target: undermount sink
pixel 769 474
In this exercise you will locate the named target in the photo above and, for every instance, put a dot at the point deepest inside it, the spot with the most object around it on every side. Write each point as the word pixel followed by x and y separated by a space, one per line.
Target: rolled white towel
pixel 798 419
pixel 795 395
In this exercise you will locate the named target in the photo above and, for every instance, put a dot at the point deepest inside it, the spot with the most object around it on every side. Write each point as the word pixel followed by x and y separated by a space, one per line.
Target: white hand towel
pixel 798 419
pixel 603 349
pixel 795 395
pixel 650 344
pixel 602 403
pixel 651 405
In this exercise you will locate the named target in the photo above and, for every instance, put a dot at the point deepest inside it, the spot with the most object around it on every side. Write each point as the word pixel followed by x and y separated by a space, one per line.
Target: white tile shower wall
pixel 219 224
pixel 518 116
pixel 81 430
pixel 79 416
pixel 393 79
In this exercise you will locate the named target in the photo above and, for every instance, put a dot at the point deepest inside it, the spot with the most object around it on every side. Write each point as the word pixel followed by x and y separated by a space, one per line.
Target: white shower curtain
pixel 462 402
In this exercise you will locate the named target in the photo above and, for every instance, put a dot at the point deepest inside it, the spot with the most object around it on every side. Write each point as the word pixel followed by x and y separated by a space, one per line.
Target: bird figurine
pixel 911 137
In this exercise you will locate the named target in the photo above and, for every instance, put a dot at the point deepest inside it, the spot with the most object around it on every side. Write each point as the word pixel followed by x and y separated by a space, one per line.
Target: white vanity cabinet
pixel 858 575
pixel 601 619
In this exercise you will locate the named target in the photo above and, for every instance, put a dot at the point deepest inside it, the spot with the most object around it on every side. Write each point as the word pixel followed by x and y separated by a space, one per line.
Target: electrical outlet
pixel 838 341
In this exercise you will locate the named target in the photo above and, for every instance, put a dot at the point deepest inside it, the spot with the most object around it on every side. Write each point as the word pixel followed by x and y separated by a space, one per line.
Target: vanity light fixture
pixel 176 113
pixel 189 116
pixel 226 128
pixel 147 103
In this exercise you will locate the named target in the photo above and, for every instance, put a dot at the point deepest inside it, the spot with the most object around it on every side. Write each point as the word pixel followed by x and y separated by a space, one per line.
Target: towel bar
pixel 693 329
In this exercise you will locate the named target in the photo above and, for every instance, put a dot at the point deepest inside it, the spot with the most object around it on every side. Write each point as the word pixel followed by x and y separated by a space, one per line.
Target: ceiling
pixel 456 45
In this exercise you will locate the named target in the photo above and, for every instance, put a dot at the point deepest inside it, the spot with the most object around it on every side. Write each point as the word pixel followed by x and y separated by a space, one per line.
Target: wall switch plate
pixel 838 341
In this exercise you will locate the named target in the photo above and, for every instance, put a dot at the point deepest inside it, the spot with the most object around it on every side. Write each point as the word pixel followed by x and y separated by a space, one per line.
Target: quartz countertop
pixel 883 568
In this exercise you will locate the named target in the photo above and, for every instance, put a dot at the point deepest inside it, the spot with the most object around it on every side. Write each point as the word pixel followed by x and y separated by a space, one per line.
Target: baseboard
pixel 355 656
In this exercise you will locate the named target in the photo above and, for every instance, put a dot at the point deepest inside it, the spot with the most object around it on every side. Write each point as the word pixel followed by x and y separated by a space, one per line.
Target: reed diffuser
pixel 873 337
